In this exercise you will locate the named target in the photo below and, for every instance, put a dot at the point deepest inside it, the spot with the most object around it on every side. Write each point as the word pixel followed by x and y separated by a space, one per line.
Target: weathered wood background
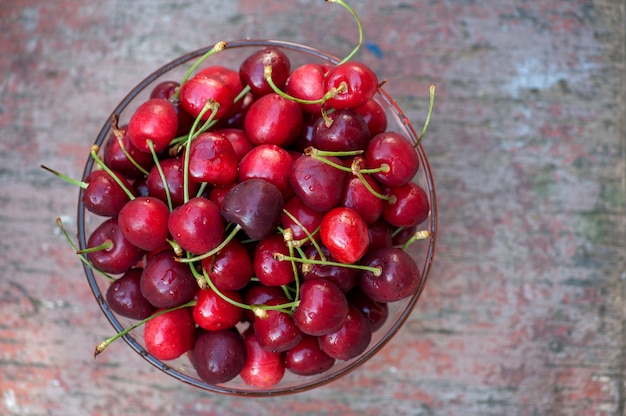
pixel 524 311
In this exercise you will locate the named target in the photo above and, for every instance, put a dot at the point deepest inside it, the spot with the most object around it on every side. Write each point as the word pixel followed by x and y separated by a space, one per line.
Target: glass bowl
pixel 422 251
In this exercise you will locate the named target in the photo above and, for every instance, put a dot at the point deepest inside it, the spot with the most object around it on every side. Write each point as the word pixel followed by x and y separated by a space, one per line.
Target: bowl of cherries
pixel 257 217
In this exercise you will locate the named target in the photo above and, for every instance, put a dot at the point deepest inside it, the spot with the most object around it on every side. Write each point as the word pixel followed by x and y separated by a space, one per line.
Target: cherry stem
pixel 359 25
pixel 223 244
pixel 66 178
pixel 106 244
pixel 157 163
pixel 76 250
pixel 119 135
pixel 358 172
pixel 431 106
pixel 377 271
pixel 218 47
pixel 104 167
pixel 102 346
pixel 309 235
pixel 418 235
pixel 267 74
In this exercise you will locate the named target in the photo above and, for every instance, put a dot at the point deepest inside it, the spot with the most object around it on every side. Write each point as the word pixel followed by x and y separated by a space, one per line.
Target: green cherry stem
pixel 377 271
pixel 76 250
pixel 431 106
pixel 418 235
pixel 218 47
pixel 104 167
pixel 359 25
pixel 223 244
pixel 157 163
pixel 106 244
pixel 102 346
pixel 66 178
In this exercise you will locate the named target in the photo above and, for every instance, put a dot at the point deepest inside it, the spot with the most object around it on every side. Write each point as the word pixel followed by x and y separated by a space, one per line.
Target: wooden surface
pixel 524 311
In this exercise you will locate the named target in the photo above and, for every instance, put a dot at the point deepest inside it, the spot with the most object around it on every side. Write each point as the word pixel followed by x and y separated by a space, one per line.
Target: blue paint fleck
pixel 374 48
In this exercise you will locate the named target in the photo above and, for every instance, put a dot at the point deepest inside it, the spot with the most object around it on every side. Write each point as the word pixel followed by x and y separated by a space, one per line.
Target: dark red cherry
pixel 263 368
pixel 375 312
pixel 252 70
pixel 173 171
pixel 143 222
pixel 381 235
pixel 154 121
pixel 170 335
pixel 273 119
pixel 167 283
pixel 400 277
pixel 350 340
pixel 197 225
pixel 258 294
pixel 256 205
pixel 114 155
pixel 219 356
pixel 121 256
pixel 322 309
pixel 411 206
pixel 318 184
pixel 124 296
pixel 347 131
pixel 356 82
pixel 275 329
pixel 103 195
pixel 307 358
pixel 343 277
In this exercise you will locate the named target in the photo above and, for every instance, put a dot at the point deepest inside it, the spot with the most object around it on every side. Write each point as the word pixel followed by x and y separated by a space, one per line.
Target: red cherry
pixel 238 139
pixel 154 120
pixel 348 131
pixel 273 119
pixel 212 159
pixel 143 222
pixel 358 81
pixel 263 368
pixel 269 162
pixel 343 277
pixel 231 268
pixel 375 312
pixel 374 115
pixel 359 198
pixel 167 90
pixel 307 83
pixel 345 234
pixel 197 225
pixel 318 184
pixel 214 313
pixel 267 269
pixel 170 335
pixel 322 309
pixel 306 217
pixel 394 150
pixel 195 93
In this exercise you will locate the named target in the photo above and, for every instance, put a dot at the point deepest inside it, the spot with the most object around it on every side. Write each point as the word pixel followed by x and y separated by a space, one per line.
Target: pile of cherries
pixel 256 219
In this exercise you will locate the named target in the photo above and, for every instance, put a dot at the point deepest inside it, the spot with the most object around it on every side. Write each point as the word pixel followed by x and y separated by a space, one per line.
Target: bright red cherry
pixel 154 121
pixel 170 335
pixel 345 234
pixel 356 84
pixel 143 222
pixel 273 119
